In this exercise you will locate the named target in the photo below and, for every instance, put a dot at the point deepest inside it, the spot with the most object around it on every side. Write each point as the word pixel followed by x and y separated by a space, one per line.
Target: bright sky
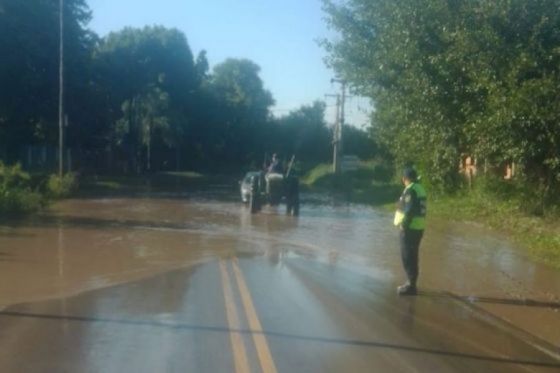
pixel 279 35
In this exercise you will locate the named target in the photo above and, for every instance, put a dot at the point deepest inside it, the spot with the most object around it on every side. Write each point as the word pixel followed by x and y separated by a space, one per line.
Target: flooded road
pixel 180 282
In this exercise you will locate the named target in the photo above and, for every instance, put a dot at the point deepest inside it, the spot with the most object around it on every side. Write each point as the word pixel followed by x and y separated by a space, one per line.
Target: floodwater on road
pixel 186 282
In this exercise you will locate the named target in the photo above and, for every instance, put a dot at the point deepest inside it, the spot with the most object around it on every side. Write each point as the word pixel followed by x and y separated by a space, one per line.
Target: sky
pixel 279 35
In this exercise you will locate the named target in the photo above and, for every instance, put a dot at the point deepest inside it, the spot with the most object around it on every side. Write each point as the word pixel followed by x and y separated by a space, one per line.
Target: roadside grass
pixel 184 174
pixel 312 177
pixel 370 183
pixel 540 235
pixel 106 184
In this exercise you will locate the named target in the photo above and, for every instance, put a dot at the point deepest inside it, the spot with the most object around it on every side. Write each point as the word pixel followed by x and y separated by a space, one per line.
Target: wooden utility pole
pixel 340 103
pixel 336 133
pixel 336 138
pixel 61 92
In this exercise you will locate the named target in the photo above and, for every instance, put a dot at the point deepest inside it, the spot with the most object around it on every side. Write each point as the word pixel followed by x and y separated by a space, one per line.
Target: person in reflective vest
pixel 410 217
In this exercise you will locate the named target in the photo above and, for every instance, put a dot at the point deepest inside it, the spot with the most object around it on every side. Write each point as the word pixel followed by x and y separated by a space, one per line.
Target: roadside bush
pixel 383 173
pixel 370 183
pixel 19 201
pixel 519 194
pixel 59 187
pixel 13 176
pixel 16 196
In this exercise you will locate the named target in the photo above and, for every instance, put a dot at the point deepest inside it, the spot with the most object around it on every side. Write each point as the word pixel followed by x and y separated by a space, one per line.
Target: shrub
pixel 59 187
pixel 19 201
pixel 383 173
pixel 13 176
pixel 16 196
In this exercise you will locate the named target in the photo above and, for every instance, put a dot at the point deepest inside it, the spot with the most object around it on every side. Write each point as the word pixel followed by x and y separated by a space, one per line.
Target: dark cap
pixel 410 174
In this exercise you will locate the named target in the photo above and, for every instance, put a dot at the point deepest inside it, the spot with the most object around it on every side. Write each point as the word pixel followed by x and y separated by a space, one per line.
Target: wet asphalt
pixel 175 282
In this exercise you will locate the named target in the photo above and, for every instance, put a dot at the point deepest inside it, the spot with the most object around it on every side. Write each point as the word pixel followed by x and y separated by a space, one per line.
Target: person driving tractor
pixel 275 166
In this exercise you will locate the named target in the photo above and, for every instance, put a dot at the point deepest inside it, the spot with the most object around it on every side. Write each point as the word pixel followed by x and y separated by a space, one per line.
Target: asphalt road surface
pixel 182 283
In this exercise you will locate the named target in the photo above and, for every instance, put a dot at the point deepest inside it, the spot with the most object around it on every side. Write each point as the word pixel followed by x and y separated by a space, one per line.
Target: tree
pixel 29 69
pixel 202 66
pixel 150 76
pixel 358 142
pixel 237 88
pixel 303 132
pixel 449 77
pixel 143 116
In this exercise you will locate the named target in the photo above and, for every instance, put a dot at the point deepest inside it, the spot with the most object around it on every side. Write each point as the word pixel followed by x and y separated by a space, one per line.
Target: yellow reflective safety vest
pixel 399 216
pixel 411 208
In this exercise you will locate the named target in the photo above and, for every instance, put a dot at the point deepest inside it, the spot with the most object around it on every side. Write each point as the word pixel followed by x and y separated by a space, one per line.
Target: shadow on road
pixel 508 301
pixel 221 329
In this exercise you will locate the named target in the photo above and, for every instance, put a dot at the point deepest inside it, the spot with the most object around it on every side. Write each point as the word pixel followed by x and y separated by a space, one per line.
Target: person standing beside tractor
pixel 411 220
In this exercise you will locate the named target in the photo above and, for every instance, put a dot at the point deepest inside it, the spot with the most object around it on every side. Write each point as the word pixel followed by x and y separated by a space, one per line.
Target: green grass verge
pixel 369 184
pixel 540 235
pixel 184 174
pixel 16 202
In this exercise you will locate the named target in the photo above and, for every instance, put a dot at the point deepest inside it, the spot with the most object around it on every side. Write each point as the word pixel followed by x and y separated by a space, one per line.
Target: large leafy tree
pixel 29 40
pixel 358 142
pixel 453 76
pixel 237 88
pixel 304 133
pixel 518 73
pixel 394 52
pixel 150 78
pixel 136 96
pixel 144 117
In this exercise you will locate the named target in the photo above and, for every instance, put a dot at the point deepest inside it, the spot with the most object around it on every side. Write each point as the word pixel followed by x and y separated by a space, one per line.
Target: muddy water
pixel 87 244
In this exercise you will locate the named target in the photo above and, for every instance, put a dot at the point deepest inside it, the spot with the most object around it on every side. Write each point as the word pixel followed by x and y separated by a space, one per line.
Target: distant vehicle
pixel 258 188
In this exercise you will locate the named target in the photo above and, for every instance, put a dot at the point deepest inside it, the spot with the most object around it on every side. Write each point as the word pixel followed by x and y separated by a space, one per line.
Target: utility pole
pixel 340 103
pixel 61 93
pixel 336 135
pixel 336 138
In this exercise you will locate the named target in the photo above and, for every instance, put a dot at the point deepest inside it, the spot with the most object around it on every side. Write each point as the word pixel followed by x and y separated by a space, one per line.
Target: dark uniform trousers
pixel 410 243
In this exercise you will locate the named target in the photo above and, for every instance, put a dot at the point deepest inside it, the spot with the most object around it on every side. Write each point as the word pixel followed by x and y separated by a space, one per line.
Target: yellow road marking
pixel 263 351
pixel 237 345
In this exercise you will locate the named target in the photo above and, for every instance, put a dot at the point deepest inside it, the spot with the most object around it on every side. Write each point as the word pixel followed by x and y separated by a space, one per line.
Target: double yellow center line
pixel 238 347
